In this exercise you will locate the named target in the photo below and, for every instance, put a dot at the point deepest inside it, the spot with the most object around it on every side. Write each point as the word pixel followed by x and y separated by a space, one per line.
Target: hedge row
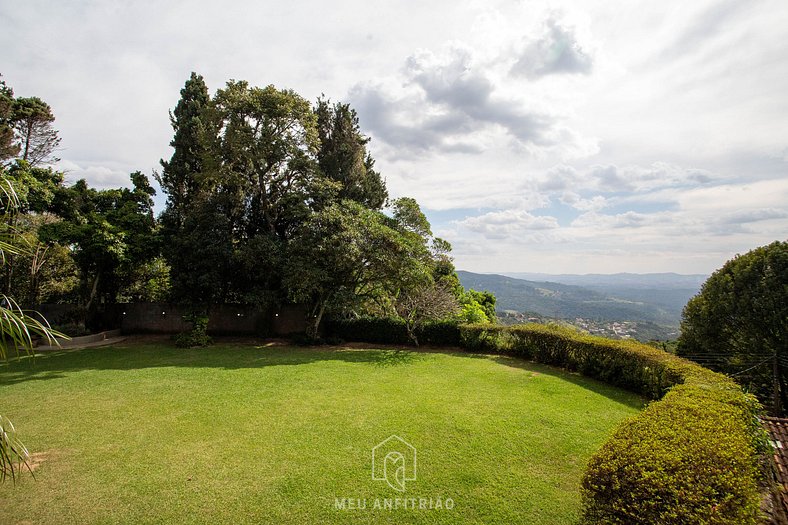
pixel 691 457
pixel 392 331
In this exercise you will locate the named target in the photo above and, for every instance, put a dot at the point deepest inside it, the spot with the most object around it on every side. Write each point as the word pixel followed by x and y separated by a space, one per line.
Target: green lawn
pixel 147 433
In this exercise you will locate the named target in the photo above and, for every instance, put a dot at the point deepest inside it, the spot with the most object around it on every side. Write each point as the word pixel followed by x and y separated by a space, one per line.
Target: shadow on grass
pixel 240 356
pixel 54 365
pixel 616 393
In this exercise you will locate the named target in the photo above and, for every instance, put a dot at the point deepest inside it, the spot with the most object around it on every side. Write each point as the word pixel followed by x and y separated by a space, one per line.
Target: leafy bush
pixel 393 331
pixel 72 329
pixel 440 333
pixel 686 459
pixel 489 339
pixel 198 335
pixel 691 457
pixel 384 330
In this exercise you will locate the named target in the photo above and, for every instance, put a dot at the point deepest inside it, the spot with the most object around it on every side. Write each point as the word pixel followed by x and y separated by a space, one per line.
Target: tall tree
pixel 112 232
pixel 32 122
pixel 260 173
pixel 8 146
pixel 179 176
pixel 347 256
pixel 343 155
pixel 738 323
pixel 264 156
pixel 36 192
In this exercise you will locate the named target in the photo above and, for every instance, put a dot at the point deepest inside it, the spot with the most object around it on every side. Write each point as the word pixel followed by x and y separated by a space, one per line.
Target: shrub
pixel 198 335
pixel 686 459
pixel 487 338
pixel 392 331
pixel 691 457
pixel 440 333
pixel 370 330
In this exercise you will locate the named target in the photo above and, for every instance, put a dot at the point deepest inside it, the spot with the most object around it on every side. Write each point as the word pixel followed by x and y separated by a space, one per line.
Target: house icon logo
pixel 394 461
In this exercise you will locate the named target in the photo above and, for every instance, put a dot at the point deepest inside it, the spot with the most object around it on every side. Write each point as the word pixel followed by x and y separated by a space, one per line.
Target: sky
pixel 555 137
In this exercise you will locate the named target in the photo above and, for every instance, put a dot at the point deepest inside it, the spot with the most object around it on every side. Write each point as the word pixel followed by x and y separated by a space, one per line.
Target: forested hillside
pixel 564 301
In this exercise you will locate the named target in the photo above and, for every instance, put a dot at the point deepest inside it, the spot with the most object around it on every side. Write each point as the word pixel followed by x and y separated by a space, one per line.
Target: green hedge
pixel 392 331
pixel 369 330
pixel 691 457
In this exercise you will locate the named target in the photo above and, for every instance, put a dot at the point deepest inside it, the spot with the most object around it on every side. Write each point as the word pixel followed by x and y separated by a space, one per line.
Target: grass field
pixel 147 433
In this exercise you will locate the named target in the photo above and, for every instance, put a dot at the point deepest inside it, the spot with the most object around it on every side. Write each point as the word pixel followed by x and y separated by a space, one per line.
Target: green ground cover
pixel 147 433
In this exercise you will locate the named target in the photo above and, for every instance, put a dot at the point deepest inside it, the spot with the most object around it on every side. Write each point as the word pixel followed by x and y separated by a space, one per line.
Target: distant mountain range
pixel 656 298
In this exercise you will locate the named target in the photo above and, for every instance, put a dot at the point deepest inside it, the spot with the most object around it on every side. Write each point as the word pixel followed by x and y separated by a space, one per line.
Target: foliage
pixel 738 323
pixel 148 283
pixel 687 459
pixel 261 144
pixel 384 330
pixel 343 156
pixel 392 330
pixel 692 457
pixel 439 333
pixel 112 233
pixel 43 271
pixel 182 221
pixel 13 453
pixel 8 147
pixel 346 254
pixel 422 304
pixel 32 122
pixel 477 307
pixel 272 200
pixel 243 178
pixel 198 335
pixel 26 129
pixel 178 178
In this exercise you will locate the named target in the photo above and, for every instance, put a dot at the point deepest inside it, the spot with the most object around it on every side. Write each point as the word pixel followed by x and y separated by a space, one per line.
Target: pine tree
pixel 32 122
pixel 178 179
pixel 343 155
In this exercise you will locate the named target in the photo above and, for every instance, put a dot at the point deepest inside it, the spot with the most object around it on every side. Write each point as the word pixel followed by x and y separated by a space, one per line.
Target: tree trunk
pixel 315 329
pixel 93 292
pixel 27 139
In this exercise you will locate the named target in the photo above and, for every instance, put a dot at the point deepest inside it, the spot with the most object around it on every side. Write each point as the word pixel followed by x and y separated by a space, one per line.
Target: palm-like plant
pixel 17 333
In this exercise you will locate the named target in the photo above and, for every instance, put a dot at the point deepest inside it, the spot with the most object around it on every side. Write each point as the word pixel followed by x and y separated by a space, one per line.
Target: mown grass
pixel 147 433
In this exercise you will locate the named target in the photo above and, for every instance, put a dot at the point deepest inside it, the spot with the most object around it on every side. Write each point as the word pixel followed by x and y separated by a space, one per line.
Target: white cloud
pixel 507 223
pixel 556 51
pixel 98 176
pixel 634 136
pixel 460 98
pixel 595 203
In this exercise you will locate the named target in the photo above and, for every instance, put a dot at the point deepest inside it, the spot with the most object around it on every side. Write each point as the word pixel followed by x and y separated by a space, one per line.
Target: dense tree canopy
pixel 178 178
pixel 32 123
pixel 112 234
pixel 343 155
pixel 8 146
pixel 738 323
pixel 269 200
pixel 272 200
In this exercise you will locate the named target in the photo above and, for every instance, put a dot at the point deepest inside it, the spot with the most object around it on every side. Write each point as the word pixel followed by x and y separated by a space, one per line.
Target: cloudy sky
pixel 557 137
